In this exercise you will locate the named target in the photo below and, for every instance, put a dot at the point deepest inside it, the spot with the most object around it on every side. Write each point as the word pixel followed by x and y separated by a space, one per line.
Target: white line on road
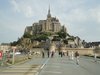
pixel 44 63
pixel 42 66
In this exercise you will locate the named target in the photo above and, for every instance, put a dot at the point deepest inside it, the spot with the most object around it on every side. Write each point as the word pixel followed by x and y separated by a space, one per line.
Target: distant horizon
pixel 81 18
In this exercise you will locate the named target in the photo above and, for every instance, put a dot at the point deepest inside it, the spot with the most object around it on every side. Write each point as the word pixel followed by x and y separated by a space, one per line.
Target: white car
pixel 16 53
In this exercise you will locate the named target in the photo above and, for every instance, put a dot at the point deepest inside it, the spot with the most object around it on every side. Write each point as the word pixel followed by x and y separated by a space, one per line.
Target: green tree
pixel 65 41
pixel 27 35
pixel 47 33
pixel 71 38
pixel 39 37
pixel 62 34
pixel 56 38
pixel 33 37
pixel 14 43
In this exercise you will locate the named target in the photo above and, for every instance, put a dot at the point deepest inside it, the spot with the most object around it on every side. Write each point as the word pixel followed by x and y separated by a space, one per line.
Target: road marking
pixel 52 72
pixel 44 63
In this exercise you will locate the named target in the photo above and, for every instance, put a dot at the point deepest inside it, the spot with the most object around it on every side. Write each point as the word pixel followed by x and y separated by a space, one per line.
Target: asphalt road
pixel 65 66
pixel 31 67
pixel 54 66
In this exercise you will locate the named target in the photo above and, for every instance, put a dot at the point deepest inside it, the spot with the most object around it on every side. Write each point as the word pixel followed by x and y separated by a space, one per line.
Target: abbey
pixel 51 25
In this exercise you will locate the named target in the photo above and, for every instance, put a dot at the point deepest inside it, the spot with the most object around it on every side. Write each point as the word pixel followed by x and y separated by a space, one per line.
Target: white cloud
pixel 23 9
pixel 15 6
pixel 28 11
pixel 95 13
pixel 77 15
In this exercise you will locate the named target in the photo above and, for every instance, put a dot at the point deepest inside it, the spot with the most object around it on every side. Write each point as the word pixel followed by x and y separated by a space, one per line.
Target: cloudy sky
pixel 81 17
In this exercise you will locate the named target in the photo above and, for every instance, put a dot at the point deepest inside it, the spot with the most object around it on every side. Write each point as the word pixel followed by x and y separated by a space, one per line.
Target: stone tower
pixel 48 23
pixel 49 14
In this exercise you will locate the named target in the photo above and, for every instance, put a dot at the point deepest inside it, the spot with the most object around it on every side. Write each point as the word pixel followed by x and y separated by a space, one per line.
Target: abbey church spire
pixel 49 14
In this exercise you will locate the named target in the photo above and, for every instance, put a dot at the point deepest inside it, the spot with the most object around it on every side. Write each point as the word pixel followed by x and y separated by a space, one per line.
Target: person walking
pixel 43 55
pixel 52 54
pixel 67 53
pixel 48 53
pixel 77 57
pixel 52 49
pixel 95 57
pixel 61 54
pixel 72 55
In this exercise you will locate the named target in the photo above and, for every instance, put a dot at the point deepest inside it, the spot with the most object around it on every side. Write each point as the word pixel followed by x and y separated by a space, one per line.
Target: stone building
pixel 51 24
pixel 5 48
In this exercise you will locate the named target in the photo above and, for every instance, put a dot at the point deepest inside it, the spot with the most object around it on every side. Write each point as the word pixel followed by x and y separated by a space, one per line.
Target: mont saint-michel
pixel 49 31
pixel 50 25
pixel 43 32
pixel 50 28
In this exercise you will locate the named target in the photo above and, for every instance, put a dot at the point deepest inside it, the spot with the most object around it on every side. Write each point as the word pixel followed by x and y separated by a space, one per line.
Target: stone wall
pixel 82 51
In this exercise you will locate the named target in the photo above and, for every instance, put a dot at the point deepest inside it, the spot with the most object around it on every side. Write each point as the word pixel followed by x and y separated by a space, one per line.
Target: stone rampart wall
pixel 82 51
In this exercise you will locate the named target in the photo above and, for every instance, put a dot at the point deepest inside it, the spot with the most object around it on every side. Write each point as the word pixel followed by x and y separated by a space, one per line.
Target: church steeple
pixel 49 14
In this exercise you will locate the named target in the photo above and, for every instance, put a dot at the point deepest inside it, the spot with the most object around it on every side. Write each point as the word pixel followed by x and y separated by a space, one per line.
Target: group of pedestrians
pixel 61 53
pixel 71 55
pixel 49 54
